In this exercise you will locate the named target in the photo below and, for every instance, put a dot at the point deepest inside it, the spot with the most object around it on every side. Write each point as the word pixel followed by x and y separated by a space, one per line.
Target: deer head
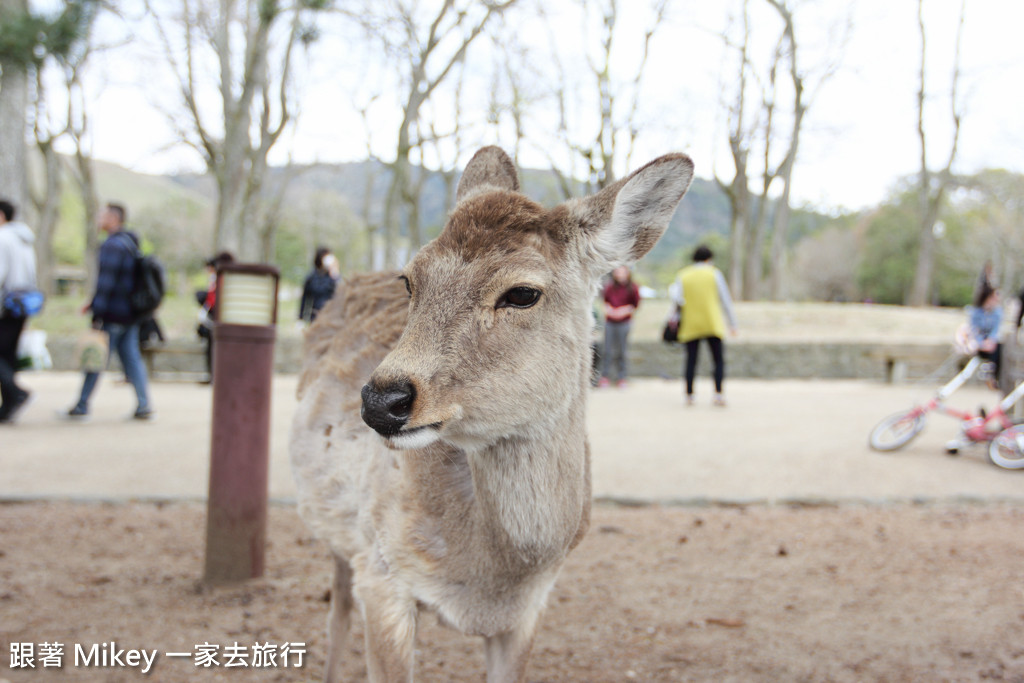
pixel 497 340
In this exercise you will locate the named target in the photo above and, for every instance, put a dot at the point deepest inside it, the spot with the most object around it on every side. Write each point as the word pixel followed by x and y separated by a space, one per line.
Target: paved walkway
pixel 777 441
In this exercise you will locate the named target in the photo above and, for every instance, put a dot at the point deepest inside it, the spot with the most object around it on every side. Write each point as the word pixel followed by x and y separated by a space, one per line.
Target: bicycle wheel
pixel 1007 449
pixel 896 430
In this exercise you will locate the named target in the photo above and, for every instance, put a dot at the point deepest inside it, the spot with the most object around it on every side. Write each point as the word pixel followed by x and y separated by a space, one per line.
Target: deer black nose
pixel 387 409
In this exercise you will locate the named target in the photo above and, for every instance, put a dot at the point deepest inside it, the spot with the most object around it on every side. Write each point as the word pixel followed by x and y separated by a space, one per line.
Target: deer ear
pixel 624 220
pixel 489 170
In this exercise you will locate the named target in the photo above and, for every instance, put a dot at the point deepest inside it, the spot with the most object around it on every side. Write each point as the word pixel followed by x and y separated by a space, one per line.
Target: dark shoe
pixel 77 413
pixel 11 411
pixel 143 414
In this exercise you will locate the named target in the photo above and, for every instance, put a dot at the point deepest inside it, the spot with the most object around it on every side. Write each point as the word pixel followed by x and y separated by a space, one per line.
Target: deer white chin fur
pixel 421 437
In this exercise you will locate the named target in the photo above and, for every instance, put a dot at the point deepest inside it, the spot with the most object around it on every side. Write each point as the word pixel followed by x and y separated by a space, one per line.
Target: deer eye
pixel 519 297
pixel 408 287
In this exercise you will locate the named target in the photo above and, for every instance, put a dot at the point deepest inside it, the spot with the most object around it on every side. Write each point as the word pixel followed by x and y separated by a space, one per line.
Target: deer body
pixel 474 482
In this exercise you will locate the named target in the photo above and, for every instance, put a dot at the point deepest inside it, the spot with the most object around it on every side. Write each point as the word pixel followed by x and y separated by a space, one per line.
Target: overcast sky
pixel 860 132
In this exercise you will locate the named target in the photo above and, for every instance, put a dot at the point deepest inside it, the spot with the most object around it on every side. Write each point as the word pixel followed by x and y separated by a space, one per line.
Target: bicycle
pixel 1006 440
pixel 1007 448
pixel 899 429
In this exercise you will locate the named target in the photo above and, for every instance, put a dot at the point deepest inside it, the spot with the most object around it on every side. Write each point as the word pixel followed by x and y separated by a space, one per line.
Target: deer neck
pixel 530 491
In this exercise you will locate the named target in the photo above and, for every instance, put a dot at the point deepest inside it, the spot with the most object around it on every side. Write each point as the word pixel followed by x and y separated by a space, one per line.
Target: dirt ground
pixel 757 593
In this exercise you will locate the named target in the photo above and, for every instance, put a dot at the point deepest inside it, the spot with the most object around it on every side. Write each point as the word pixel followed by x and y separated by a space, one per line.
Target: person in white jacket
pixel 17 271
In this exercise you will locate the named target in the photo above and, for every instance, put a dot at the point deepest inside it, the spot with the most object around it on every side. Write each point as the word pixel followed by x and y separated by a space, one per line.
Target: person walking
pixel 621 298
pixel 17 271
pixel 319 286
pixel 111 309
pixel 706 306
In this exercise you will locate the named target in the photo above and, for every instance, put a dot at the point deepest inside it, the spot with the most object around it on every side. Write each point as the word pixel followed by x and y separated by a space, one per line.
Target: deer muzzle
pixel 386 409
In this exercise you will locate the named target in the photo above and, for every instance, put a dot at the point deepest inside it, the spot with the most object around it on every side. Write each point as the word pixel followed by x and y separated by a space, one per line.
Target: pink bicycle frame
pixel 938 401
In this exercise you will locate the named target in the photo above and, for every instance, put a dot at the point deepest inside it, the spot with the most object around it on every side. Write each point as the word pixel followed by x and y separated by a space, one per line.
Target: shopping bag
pixel 32 351
pixel 91 350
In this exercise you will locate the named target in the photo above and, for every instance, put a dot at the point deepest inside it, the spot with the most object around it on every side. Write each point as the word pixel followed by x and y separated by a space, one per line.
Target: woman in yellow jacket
pixel 703 296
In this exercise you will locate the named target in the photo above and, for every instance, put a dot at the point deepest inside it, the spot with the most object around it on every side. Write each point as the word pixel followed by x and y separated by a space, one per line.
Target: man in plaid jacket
pixel 111 309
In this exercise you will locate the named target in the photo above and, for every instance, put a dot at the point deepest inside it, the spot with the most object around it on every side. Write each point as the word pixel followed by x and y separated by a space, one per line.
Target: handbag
pixel 23 303
pixel 670 332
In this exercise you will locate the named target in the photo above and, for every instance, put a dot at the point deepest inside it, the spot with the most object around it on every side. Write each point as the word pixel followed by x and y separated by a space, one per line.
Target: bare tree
pixel 563 176
pixel 246 39
pixel 739 133
pixel 760 120
pixel 373 163
pixel 71 123
pixel 753 260
pixel 426 47
pixel 32 44
pixel 780 229
pixel 996 200
pixel 617 103
pixel 14 85
pixel 515 87
pixel 932 186
pixel 46 199
pixel 804 84
pixel 84 175
pixel 447 147
pixel 826 265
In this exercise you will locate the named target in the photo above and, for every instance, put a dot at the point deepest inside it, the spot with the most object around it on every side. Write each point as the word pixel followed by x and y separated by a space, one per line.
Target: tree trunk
pixel 365 212
pixel 393 206
pixel 754 260
pixel 739 221
pixel 780 229
pixel 48 210
pixel 932 187
pixel 13 126
pixel 739 197
pixel 411 199
pixel 737 229
pixel 780 247
pixel 86 179
pixel 398 190
pixel 920 292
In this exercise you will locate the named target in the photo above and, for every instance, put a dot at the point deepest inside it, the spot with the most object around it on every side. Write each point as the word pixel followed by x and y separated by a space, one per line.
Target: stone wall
pixel 799 360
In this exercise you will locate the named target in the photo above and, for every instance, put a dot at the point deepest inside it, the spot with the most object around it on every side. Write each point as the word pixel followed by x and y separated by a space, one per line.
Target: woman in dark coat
pixel 319 285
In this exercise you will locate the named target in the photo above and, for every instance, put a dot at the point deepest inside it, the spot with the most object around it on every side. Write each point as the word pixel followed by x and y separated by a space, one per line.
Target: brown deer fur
pixel 469 509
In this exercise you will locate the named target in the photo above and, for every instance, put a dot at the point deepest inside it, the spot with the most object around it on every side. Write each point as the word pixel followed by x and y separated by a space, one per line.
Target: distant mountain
pixel 140 190
pixel 704 210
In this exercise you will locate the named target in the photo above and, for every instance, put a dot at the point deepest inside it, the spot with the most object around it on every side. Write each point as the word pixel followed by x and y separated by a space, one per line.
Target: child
pixel 986 315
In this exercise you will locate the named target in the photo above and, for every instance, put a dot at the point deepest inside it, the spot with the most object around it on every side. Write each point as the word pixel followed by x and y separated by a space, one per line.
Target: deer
pixel 439 445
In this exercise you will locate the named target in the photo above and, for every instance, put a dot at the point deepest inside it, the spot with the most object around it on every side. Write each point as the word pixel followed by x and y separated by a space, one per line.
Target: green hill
pixel 180 207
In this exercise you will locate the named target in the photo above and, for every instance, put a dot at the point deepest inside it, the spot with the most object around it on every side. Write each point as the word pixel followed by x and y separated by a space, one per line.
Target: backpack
pixel 148 291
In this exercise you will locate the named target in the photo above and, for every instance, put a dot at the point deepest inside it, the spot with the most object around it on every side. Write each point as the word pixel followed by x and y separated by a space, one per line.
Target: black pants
pixel 10 331
pixel 996 357
pixel 717 354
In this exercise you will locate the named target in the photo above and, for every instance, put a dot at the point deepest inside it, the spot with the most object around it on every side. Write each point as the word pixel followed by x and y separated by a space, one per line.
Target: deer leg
pixel 389 625
pixel 508 654
pixel 339 619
